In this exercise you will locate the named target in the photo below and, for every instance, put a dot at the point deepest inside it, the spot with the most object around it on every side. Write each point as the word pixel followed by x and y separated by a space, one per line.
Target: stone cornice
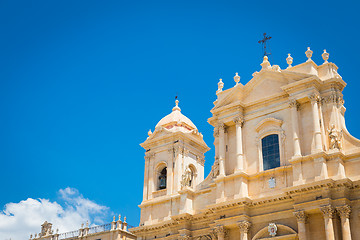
pixel 170 136
pixel 316 185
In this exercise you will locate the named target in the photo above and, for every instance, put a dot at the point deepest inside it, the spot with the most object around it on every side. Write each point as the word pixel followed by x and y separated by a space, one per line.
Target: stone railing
pixel 84 231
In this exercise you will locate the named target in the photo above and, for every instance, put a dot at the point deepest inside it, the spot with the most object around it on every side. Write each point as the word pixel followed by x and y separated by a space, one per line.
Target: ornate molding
pixel 344 211
pixel 244 226
pixel 300 216
pixel 327 211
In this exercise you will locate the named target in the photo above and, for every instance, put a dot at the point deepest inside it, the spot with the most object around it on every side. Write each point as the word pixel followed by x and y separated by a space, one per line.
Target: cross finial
pixel 263 42
pixel 176 105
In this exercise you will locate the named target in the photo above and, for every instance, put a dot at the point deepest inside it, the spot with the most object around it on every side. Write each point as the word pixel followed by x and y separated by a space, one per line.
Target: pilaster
pixel 301 221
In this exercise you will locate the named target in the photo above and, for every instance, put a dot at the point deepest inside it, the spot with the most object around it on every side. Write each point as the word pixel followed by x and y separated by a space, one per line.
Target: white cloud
pixel 19 220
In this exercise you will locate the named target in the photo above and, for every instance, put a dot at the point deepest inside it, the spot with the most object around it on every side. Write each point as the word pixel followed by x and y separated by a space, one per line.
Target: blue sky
pixel 81 82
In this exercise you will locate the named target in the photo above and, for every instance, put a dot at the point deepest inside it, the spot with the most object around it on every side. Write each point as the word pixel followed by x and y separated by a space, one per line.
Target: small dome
pixel 176 120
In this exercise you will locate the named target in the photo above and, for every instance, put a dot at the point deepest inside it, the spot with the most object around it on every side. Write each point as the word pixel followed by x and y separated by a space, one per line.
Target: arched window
pixel 162 179
pixel 270 151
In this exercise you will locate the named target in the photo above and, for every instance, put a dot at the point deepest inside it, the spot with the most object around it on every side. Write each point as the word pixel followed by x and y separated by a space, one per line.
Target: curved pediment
pixel 283 232
pixel 268 122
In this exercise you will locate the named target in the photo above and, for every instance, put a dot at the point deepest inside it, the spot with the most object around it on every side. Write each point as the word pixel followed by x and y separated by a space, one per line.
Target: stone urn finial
pixel 309 54
pixel 265 64
pixel 325 56
pixel 237 78
pixel 220 86
pixel 289 60
pixel 149 133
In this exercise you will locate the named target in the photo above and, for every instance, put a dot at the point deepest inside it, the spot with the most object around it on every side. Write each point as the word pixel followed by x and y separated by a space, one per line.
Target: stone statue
pixel 186 178
pixel 334 137
pixel 215 168
pixel 46 229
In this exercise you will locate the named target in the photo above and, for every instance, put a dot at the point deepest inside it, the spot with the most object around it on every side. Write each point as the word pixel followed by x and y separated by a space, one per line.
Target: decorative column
pixel 244 229
pixel 328 213
pixel 316 123
pixel 220 231
pixel 239 122
pixel 344 212
pixel 221 129
pixel 301 220
pixel 295 127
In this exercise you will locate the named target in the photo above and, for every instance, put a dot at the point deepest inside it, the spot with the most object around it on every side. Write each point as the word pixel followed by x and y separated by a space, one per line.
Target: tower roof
pixel 176 120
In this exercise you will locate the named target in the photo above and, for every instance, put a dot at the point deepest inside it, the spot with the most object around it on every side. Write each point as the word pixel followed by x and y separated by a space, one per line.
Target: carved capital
pixel 221 231
pixel 149 156
pixel 201 160
pixel 314 98
pixel 294 104
pixel 327 211
pixel 244 226
pixel 300 216
pixel 186 152
pixel 221 126
pixel 239 121
pixel 178 150
pixel 216 132
pixel 344 211
pixel 170 150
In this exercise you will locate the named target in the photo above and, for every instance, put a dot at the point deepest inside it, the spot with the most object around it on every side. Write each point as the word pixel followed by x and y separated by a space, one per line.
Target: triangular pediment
pixel 262 86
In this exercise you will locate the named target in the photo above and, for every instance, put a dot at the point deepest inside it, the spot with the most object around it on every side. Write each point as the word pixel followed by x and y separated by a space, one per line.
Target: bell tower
pixel 174 160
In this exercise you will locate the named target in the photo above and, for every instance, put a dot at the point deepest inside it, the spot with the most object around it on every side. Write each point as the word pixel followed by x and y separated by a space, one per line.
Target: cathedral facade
pixel 285 165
